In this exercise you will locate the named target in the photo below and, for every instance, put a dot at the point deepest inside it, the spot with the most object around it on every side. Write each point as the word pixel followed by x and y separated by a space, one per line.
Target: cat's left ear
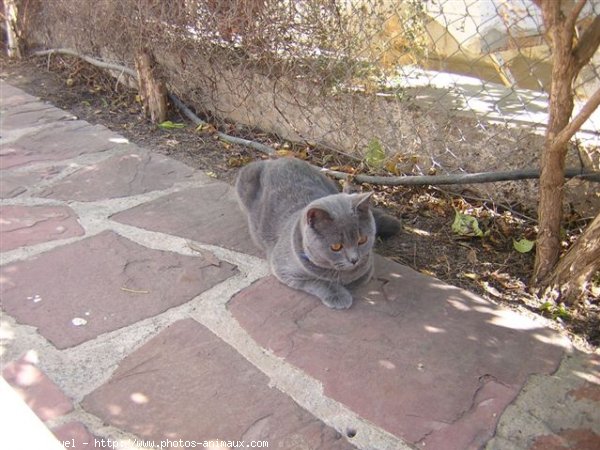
pixel 360 202
pixel 317 216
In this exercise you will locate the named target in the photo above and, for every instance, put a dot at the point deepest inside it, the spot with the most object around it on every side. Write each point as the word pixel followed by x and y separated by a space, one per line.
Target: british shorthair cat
pixel 317 239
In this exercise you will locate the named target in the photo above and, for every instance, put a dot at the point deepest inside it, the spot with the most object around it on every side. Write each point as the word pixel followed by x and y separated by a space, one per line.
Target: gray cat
pixel 317 240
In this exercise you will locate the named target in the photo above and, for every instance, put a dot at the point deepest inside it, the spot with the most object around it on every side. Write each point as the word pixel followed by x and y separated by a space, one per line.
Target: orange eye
pixel 362 240
pixel 337 247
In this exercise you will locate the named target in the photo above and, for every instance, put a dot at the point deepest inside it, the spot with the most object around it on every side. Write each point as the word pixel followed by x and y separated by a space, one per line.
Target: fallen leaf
pixel 506 281
pixel 134 291
pixel 392 167
pixel 470 275
pixel 302 154
pixel 209 258
pixel 523 245
pixel 427 272
pixel 487 246
pixel 168 125
pixel 472 256
pixel 375 154
pixel 417 231
pixel 504 227
pixel 346 169
pixel 238 161
pixel 491 289
pixel 206 128
pixel 465 225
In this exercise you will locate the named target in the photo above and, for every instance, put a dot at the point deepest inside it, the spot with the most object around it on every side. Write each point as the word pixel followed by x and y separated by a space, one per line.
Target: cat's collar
pixel 303 256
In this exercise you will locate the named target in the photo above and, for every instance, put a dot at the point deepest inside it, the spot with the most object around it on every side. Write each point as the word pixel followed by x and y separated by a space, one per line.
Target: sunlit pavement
pixel 136 313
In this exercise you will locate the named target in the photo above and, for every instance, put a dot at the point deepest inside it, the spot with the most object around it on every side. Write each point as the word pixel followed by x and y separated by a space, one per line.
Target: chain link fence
pixel 406 86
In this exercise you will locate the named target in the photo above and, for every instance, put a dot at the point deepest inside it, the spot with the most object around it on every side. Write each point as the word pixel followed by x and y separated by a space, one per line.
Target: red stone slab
pixel 12 96
pixel 28 225
pixel 187 384
pixel 131 173
pixel 569 439
pixel 99 284
pixel 209 215
pixel 64 141
pixel 40 393
pixel 74 435
pixel 428 362
pixel 15 183
pixel 32 114
pixel 588 391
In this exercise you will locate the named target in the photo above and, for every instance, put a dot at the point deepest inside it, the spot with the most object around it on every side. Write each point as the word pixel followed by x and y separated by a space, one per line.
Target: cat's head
pixel 338 231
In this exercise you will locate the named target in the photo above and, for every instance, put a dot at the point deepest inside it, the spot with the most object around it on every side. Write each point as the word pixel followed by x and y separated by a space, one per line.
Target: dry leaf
pixel 472 256
pixel 470 275
pixel 302 154
pixel 209 258
pixel 207 128
pixel 346 169
pixel 238 161
pixel 491 289
pixel 134 291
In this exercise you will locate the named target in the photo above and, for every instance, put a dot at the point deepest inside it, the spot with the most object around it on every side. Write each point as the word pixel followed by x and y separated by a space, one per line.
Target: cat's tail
pixel 386 226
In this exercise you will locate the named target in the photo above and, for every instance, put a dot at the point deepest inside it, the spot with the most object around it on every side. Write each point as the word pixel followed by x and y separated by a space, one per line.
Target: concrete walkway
pixel 136 313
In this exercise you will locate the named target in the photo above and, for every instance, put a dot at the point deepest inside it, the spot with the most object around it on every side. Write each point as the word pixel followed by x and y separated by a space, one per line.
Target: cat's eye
pixel 362 240
pixel 337 247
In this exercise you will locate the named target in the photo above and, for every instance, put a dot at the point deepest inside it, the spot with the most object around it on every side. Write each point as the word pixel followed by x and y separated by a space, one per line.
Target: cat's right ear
pixel 316 216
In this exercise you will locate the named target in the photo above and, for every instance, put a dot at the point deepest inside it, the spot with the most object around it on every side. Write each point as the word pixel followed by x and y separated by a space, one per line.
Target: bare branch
pixel 93 61
pixel 588 44
pixel 574 14
pixel 574 125
pixel 225 137
pixel 551 13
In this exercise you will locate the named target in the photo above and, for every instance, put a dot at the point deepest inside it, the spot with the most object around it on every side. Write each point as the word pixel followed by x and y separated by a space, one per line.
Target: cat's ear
pixel 360 202
pixel 317 216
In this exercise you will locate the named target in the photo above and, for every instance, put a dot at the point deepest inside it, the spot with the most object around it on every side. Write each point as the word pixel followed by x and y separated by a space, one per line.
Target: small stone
pixel 78 321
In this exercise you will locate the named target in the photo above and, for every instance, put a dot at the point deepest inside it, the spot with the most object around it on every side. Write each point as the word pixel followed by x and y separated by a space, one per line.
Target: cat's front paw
pixel 340 299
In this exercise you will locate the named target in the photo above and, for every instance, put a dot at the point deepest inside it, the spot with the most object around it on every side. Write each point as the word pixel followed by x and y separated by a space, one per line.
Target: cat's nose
pixel 353 260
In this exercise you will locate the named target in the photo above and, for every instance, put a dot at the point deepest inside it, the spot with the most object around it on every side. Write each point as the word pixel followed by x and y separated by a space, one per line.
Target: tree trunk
pixel 569 57
pixel 553 156
pixel 151 89
pixel 575 269
pixel 13 44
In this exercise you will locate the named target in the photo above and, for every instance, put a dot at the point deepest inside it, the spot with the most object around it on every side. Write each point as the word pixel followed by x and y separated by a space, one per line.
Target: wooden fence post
pixel 152 90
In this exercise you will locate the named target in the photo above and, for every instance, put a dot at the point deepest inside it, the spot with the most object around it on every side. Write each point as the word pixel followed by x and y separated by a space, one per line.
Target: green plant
pixel 466 225
pixel 555 311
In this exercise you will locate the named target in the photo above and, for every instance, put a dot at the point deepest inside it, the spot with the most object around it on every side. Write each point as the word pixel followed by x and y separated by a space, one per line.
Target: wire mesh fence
pixel 406 86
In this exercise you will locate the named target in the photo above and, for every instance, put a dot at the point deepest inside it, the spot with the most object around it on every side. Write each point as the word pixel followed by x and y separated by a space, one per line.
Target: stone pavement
pixel 136 312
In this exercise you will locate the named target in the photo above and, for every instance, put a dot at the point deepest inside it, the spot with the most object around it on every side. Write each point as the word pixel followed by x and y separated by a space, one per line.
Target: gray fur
pixel 296 214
